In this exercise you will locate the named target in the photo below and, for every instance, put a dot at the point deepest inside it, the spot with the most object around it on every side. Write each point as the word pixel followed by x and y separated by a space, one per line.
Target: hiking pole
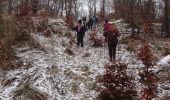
pixel 104 49
pixel 118 45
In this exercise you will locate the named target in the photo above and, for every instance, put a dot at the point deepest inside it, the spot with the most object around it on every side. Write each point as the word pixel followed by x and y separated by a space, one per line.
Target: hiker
pixel 95 20
pixel 111 35
pixel 80 29
pixel 90 24
pixel 84 21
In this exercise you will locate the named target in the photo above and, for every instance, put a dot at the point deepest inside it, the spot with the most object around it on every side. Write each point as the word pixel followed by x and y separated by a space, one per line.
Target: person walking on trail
pixel 95 20
pixel 90 24
pixel 111 35
pixel 84 19
pixel 80 29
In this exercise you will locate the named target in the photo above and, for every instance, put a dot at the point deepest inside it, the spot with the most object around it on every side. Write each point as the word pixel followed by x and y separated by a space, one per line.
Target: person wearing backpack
pixel 106 27
pixel 84 20
pixel 95 21
pixel 111 35
pixel 80 29
pixel 90 24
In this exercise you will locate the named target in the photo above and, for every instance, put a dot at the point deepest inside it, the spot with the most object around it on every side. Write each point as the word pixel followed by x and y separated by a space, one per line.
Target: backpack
pixel 107 27
pixel 111 34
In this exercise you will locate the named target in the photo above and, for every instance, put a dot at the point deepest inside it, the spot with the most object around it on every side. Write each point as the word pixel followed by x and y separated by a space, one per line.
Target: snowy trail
pixel 57 73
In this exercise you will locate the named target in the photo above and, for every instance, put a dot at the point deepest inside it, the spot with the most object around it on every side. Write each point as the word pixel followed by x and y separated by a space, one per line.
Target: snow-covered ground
pixel 63 76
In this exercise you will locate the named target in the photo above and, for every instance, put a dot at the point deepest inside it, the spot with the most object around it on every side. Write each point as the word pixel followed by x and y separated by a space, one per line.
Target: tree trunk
pixel 35 6
pixel 132 19
pixel 166 18
pixel 9 6
pixel 62 8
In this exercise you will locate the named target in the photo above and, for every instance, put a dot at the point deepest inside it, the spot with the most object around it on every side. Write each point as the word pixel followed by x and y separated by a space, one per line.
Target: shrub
pixel 75 88
pixel 6 54
pixel 116 84
pixel 26 38
pixel 166 51
pixel 70 21
pixel 146 56
pixel 43 25
pixel 131 45
pixel 69 51
pixel 97 43
pixel 86 55
pixel 22 10
pixel 7 36
pixel 12 31
pixel 23 19
pixel 47 32
pixel 148 77
pixel 97 40
pixel 26 92
pixel 2 28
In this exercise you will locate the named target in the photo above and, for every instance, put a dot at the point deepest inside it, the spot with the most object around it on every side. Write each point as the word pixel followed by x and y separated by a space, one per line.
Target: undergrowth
pixel 115 84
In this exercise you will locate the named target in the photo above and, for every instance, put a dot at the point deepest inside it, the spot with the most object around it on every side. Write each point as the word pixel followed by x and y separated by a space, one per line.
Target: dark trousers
pixel 80 41
pixel 89 25
pixel 112 50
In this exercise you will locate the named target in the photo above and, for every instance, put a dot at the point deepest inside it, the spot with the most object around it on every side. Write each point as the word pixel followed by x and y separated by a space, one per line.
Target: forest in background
pixel 146 19
pixel 16 15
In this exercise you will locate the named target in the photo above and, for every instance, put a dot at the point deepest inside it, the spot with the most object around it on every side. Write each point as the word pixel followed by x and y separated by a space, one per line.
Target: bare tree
pixel 34 6
pixel 166 16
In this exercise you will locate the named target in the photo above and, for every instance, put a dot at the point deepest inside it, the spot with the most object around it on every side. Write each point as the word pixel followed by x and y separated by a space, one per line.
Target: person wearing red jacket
pixel 111 35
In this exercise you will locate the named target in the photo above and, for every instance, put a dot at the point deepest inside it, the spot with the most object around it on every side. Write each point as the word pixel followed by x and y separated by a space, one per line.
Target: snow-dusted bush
pixel 23 19
pixel 146 56
pixel 116 84
pixel 70 21
pixel 6 39
pixel 166 51
pixel 42 25
pixel 26 92
pixel 87 55
pixel 97 42
pixel 22 10
pixel 26 39
pixel 96 39
pixel 130 42
pixel 47 32
pixel 148 77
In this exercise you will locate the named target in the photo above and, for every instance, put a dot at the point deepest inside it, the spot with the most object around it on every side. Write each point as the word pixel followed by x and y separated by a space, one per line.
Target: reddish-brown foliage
pixel 70 21
pixel 42 14
pixel 47 32
pixel 6 54
pixel 116 84
pixel 22 10
pixel 148 77
pixel 96 40
pixel 146 56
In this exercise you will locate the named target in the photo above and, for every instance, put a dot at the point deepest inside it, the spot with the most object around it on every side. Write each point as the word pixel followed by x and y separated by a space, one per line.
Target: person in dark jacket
pixel 80 29
pixel 106 27
pixel 90 23
pixel 111 35
pixel 84 19
pixel 95 20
